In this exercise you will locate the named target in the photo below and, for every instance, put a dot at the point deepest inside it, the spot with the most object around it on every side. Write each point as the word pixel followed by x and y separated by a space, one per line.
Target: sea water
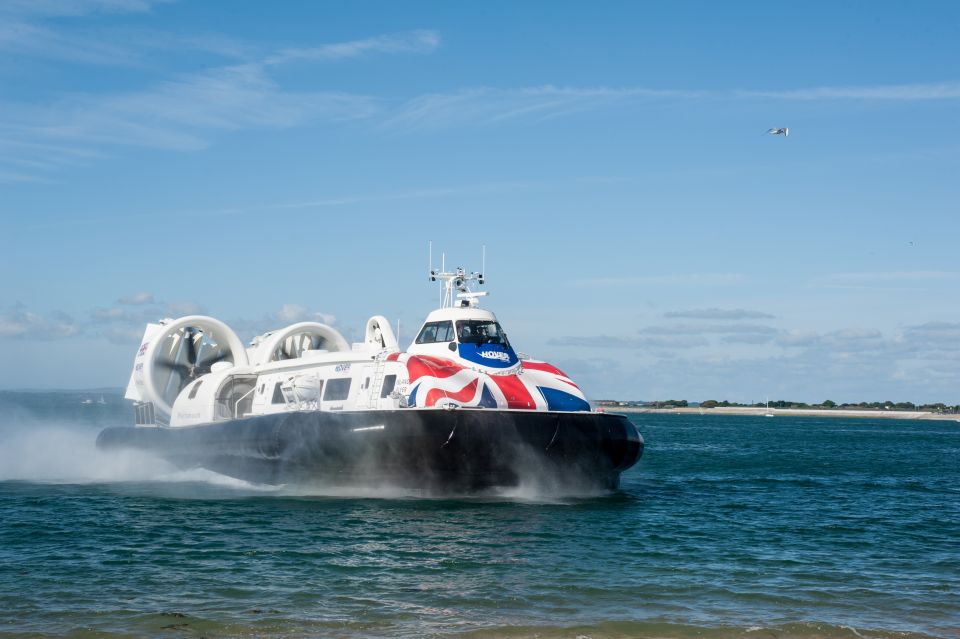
pixel 728 527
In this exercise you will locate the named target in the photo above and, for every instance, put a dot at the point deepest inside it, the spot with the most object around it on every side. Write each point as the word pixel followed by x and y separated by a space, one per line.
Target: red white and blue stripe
pixel 436 382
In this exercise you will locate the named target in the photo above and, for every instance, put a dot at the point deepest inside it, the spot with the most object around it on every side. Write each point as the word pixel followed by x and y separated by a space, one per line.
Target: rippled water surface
pixel 728 527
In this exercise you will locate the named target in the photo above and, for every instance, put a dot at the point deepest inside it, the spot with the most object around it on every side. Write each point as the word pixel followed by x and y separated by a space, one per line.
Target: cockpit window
pixel 481 332
pixel 435 332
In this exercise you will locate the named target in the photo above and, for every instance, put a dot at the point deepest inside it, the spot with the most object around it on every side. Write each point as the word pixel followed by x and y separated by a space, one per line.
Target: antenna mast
pixel 455 285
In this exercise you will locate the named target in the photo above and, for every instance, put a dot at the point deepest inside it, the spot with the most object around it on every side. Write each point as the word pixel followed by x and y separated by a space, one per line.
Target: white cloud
pixel 674 336
pixel 181 113
pixel 186 112
pixel 838 340
pixel 489 105
pixel 699 329
pixel 19 323
pixel 889 92
pixel 124 324
pixel 179 309
pixel 123 335
pixel 284 316
pixel 886 280
pixel 918 363
pixel 607 341
pixel 933 339
pixel 676 279
pixel 290 313
pixel 413 194
pixel 747 338
pixel 136 299
pixel 422 41
pixel 35 41
pixel 67 8
pixel 718 314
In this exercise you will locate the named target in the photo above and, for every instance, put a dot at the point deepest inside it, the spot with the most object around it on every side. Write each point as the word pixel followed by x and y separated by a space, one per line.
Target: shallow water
pixel 728 527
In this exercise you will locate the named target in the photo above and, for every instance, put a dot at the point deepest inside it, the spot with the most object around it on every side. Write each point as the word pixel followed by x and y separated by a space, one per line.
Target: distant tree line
pixel 938 407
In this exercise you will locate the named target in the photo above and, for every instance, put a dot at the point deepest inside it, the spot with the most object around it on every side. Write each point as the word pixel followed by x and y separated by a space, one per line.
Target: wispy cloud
pixel 421 41
pixel 412 194
pixel 489 105
pixel 838 340
pixel 607 341
pixel 67 8
pixel 891 92
pixel 675 336
pixel 185 112
pixel 19 323
pixel 853 364
pixel 124 323
pixel 23 32
pixel 934 339
pixel 181 113
pixel 676 279
pixel 136 299
pixel 459 190
pixel 702 329
pixel 284 316
pixel 884 280
pixel 718 314
pixel 31 40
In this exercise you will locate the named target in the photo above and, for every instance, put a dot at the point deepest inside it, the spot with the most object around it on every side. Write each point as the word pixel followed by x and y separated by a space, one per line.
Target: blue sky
pixel 270 165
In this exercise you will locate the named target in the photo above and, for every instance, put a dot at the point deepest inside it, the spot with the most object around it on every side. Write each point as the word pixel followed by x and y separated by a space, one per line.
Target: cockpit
pixel 481 332
pixel 471 331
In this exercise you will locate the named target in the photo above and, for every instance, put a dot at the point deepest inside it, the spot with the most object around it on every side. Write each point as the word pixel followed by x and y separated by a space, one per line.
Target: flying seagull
pixel 784 131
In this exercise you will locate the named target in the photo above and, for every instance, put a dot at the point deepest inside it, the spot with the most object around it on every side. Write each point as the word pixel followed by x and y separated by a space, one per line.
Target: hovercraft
pixel 459 410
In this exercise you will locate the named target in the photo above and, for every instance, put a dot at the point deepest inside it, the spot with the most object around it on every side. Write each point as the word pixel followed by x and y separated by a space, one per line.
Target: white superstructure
pixel 196 370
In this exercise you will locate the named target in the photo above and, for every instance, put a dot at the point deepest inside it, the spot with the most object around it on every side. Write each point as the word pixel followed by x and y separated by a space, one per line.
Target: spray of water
pixel 50 452
pixel 42 448
pixel 37 446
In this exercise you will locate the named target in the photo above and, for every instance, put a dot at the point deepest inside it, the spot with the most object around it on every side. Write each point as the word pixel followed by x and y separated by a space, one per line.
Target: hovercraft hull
pixel 440 450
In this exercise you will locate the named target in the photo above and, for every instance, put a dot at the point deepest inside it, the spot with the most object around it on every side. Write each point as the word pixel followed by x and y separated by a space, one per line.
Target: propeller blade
pixel 181 369
pixel 192 337
pixel 211 359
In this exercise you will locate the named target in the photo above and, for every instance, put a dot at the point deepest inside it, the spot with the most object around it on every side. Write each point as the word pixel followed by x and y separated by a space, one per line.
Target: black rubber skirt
pixel 443 450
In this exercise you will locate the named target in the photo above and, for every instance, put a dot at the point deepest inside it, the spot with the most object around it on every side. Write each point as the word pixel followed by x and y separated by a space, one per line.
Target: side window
pixel 337 389
pixel 277 395
pixel 436 332
pixel 389 382
pixel 445 332
pixel 193 391
pixel 428 334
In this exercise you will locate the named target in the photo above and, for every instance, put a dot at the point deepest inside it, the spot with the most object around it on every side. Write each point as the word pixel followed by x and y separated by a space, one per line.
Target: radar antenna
pixel 455 285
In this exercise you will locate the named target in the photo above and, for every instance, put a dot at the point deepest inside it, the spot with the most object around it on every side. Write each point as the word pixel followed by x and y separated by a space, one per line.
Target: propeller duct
pixel 293 341
pixel 180 352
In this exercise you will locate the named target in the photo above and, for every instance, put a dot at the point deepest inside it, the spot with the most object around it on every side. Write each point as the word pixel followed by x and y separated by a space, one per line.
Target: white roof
pixel 455 313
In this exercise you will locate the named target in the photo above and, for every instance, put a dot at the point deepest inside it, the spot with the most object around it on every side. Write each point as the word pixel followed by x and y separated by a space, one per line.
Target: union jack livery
pixel 459 409
pixel 443 382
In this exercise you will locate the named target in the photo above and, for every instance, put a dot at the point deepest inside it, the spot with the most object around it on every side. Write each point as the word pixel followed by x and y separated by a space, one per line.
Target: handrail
pixel 236 405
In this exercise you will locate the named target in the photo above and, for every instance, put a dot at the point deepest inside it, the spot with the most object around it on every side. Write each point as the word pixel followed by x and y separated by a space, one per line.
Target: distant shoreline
pixel 787 412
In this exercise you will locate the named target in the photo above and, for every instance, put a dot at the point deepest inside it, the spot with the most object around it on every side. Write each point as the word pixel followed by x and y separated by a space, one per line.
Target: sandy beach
pixel 788 412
